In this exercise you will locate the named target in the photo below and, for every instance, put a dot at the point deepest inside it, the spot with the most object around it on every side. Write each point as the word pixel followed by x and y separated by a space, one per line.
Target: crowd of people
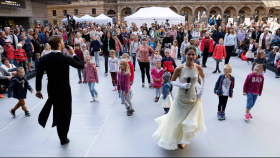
pixel 157 50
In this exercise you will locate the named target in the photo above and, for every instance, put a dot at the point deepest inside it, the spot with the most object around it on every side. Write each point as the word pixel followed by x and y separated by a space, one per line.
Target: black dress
pixel 56 66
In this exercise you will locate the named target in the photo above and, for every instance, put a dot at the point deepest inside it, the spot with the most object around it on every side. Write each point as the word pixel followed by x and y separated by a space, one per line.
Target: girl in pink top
pixel 91 77
pixel 124 86
pixel 174 50
pixel 78 39
pixel 219 53
pixel 157 73
pixel 253 87
pixel 118 45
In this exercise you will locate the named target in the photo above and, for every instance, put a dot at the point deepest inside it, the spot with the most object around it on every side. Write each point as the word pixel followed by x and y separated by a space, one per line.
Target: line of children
pixel 253 87
pixel 18 90
pixel 167 62
pixel 156 74
pixel 224 89
pixel 124 86
pixel 165 99
pixel 174 50
pixel 91 77
pixel 113 68
pixel 219 53
pixel 95 48
pixel 80 54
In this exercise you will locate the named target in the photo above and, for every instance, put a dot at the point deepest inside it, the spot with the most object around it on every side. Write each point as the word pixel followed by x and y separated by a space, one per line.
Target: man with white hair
pixel 265 38
pixel 9 35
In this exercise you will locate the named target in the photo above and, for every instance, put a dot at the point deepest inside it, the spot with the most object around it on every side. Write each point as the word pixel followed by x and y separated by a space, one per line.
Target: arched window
pixel 213 12
pixel 111 12
pixel 241 12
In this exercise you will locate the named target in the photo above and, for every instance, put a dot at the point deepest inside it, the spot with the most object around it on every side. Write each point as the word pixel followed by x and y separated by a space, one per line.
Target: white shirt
pixel 113 64
pixel 7 69
pixel 226 86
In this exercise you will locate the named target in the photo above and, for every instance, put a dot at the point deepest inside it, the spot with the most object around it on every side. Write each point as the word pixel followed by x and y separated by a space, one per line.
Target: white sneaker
pixel 93 99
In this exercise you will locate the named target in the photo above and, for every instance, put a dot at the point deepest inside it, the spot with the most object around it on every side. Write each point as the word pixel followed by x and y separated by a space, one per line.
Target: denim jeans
pixel 184 59
pixel 251 99
pixel 239 51
pixel 96 55
pixel 80 73
pixel 13 61
pixel 133 59
pixel 92 90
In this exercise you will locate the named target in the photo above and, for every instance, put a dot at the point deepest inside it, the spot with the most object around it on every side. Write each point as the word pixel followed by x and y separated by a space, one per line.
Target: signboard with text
pixel 12 3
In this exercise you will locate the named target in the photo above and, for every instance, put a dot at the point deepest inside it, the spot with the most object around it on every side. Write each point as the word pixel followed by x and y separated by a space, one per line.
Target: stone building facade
pixel 236 9
pixel 30 11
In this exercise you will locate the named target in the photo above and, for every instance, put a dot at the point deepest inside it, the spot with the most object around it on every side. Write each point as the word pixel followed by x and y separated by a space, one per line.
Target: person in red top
pixel 206 47
pixel 278 70
pixel 9 50
pixel 253 87
pixel 80 54
pixel 144 60
pixel 219 53
pixel 20 56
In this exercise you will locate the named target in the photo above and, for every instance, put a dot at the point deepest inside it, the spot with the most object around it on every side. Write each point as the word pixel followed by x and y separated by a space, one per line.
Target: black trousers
pixel 229 50
pixel 205 56
pixel 106 62
pixel 278 71
pixel 145 67
pixel 222 103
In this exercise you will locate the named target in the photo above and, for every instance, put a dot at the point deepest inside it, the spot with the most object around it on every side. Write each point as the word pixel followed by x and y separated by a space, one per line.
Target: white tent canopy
pixel 152 14
pixel 65 19
pixel 86 18
pixel 102 19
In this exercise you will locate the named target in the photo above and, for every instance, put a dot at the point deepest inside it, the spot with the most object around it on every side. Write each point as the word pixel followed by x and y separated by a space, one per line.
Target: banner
pixel 12 3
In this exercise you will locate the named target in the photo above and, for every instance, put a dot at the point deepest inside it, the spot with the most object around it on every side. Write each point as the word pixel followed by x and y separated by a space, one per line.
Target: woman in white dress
pixel 185 117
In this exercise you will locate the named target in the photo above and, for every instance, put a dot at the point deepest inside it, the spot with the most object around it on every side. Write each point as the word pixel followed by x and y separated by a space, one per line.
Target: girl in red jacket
pixel 206 47
pixel 157 73
pixel 91 77
pixel 219 53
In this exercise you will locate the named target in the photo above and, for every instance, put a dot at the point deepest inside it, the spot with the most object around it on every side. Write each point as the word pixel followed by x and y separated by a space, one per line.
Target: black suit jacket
pixel 56 66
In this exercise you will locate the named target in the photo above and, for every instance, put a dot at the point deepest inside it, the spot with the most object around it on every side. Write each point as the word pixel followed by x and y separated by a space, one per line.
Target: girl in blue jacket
pixel 224 89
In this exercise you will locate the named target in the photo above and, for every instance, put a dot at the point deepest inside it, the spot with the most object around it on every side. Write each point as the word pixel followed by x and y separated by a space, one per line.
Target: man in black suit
pixel 72 22
pixel 56 66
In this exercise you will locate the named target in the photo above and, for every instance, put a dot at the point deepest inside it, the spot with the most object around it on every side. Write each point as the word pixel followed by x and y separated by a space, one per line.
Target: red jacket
pixel 90 73
pixel 210 45
pixel 80 54
pixel 9 52
pixel 20 55
pixel 131 71
pixel 219 52
pixel 278 63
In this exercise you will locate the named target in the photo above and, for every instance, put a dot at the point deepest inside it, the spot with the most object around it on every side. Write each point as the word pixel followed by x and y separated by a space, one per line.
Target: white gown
pixel 185 117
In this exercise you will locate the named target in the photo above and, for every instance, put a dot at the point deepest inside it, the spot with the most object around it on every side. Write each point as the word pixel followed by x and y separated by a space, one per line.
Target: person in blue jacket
pixel 18 89
pixel 224 89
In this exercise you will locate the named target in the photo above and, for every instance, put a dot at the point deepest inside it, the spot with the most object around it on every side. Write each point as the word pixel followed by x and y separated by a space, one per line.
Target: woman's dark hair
pixel 3 60
pixel 110 35
pixel 190 47
pixel 72 30
pixel 229 30
pixel 277 31
pixel 47 32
